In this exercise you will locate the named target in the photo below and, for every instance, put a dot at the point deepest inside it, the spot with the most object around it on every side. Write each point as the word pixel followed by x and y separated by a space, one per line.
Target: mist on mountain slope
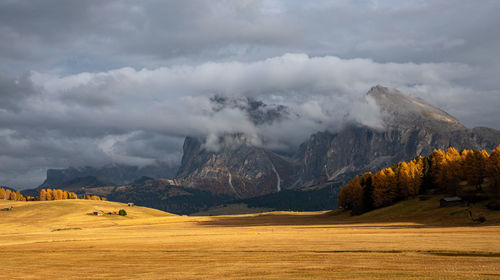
pixel 140 116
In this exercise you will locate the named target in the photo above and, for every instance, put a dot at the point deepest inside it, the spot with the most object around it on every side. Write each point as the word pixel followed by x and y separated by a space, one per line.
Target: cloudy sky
pixel 96 82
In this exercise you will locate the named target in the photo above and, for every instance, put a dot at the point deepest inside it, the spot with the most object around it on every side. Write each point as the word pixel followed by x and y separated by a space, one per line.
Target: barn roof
pixel 453 198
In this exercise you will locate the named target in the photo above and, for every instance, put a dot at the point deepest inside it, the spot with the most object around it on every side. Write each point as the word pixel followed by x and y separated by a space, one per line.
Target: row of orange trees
pixel 7 194
pixel 441 170
pixel 58 194
pixel 45 194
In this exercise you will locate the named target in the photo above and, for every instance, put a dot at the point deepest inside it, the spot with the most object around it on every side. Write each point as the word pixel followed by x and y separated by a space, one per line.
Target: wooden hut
pixel 452 201
pixel 98 212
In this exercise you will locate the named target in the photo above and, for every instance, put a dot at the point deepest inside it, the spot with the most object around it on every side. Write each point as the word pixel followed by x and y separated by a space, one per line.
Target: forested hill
pixel 472 174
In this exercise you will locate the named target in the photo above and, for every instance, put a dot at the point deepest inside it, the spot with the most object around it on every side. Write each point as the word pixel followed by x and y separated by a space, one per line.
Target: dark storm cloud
pixel 101 35
pixel 14 90
pixel 139 116
pixel 72 92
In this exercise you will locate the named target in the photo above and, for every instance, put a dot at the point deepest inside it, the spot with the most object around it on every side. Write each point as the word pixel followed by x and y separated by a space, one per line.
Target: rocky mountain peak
pixel 233 165
pixel 257 111
pixel 403 111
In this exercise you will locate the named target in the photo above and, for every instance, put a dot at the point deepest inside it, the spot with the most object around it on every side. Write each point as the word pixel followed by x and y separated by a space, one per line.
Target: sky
pixel 98 82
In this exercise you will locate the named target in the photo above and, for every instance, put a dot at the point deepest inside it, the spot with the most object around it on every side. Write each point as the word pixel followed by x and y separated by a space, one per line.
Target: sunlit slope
pixel 403 241
pixel 61 214
pixel 424 212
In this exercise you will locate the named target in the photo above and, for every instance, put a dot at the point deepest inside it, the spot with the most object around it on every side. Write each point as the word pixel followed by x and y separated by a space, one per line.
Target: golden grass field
pixel 410 240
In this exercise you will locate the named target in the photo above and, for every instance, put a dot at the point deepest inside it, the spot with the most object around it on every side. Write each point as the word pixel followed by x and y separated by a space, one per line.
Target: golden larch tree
pixel 357 195
pixel 344 198
pixel 53 194
pixel 438 166
pixel 451 173
pixel 19 196
pixel 463 155
pixel 43 195
pixel 384 187
pixel 7 194
pixel 493 172
pixel 475 168
pixel 404 179
pixel 416 176
pixel 58 194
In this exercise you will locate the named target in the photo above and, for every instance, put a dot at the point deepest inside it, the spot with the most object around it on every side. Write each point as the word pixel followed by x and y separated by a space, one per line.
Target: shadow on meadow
pixel 406 214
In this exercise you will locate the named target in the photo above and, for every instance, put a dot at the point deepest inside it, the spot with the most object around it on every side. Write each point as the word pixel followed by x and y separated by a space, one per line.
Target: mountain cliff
pixel 237 170
pixel 412 128
pixel 112 174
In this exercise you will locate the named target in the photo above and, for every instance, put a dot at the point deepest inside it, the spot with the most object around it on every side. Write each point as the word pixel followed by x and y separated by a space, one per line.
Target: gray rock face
pixel 401 111
pixel 485 138
pixel 413 128
pixel 114 174
pixel 238 168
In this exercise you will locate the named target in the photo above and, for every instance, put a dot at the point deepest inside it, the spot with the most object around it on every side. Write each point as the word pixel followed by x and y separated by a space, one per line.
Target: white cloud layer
pixel 138 116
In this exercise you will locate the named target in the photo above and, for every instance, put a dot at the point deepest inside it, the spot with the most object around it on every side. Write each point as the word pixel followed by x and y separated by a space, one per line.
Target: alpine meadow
pixel 255 139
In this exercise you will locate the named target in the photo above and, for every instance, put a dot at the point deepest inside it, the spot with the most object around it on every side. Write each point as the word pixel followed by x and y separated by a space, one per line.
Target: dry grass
pixel 58 240
pixel 232 209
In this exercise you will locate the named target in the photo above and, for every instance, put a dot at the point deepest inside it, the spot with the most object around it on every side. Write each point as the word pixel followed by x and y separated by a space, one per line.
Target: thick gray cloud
pixel 99 36
pixel 93 82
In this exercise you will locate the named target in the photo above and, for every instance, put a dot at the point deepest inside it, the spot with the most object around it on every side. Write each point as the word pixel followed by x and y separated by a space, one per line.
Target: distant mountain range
pixel 240 171
pixel 78 179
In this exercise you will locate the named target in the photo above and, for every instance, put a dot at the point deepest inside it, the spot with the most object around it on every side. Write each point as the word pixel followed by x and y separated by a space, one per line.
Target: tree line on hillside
pixel 7 194
pixel 44 195
pixel 447 172
pixel 58 194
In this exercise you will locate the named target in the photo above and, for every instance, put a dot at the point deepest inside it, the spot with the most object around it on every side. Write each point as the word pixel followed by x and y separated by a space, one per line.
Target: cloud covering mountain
pixel 91 83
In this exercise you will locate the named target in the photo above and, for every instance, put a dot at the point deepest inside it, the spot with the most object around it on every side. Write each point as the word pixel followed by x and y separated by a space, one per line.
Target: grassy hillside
pixel 410 240
pixel 61 214
pixel 424 212
pixel 67 213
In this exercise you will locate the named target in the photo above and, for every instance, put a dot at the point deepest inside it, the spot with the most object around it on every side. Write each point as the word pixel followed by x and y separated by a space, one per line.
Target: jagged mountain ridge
pixel 402 111
pixel 238 170
pixel 114 174
pixel 412 128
